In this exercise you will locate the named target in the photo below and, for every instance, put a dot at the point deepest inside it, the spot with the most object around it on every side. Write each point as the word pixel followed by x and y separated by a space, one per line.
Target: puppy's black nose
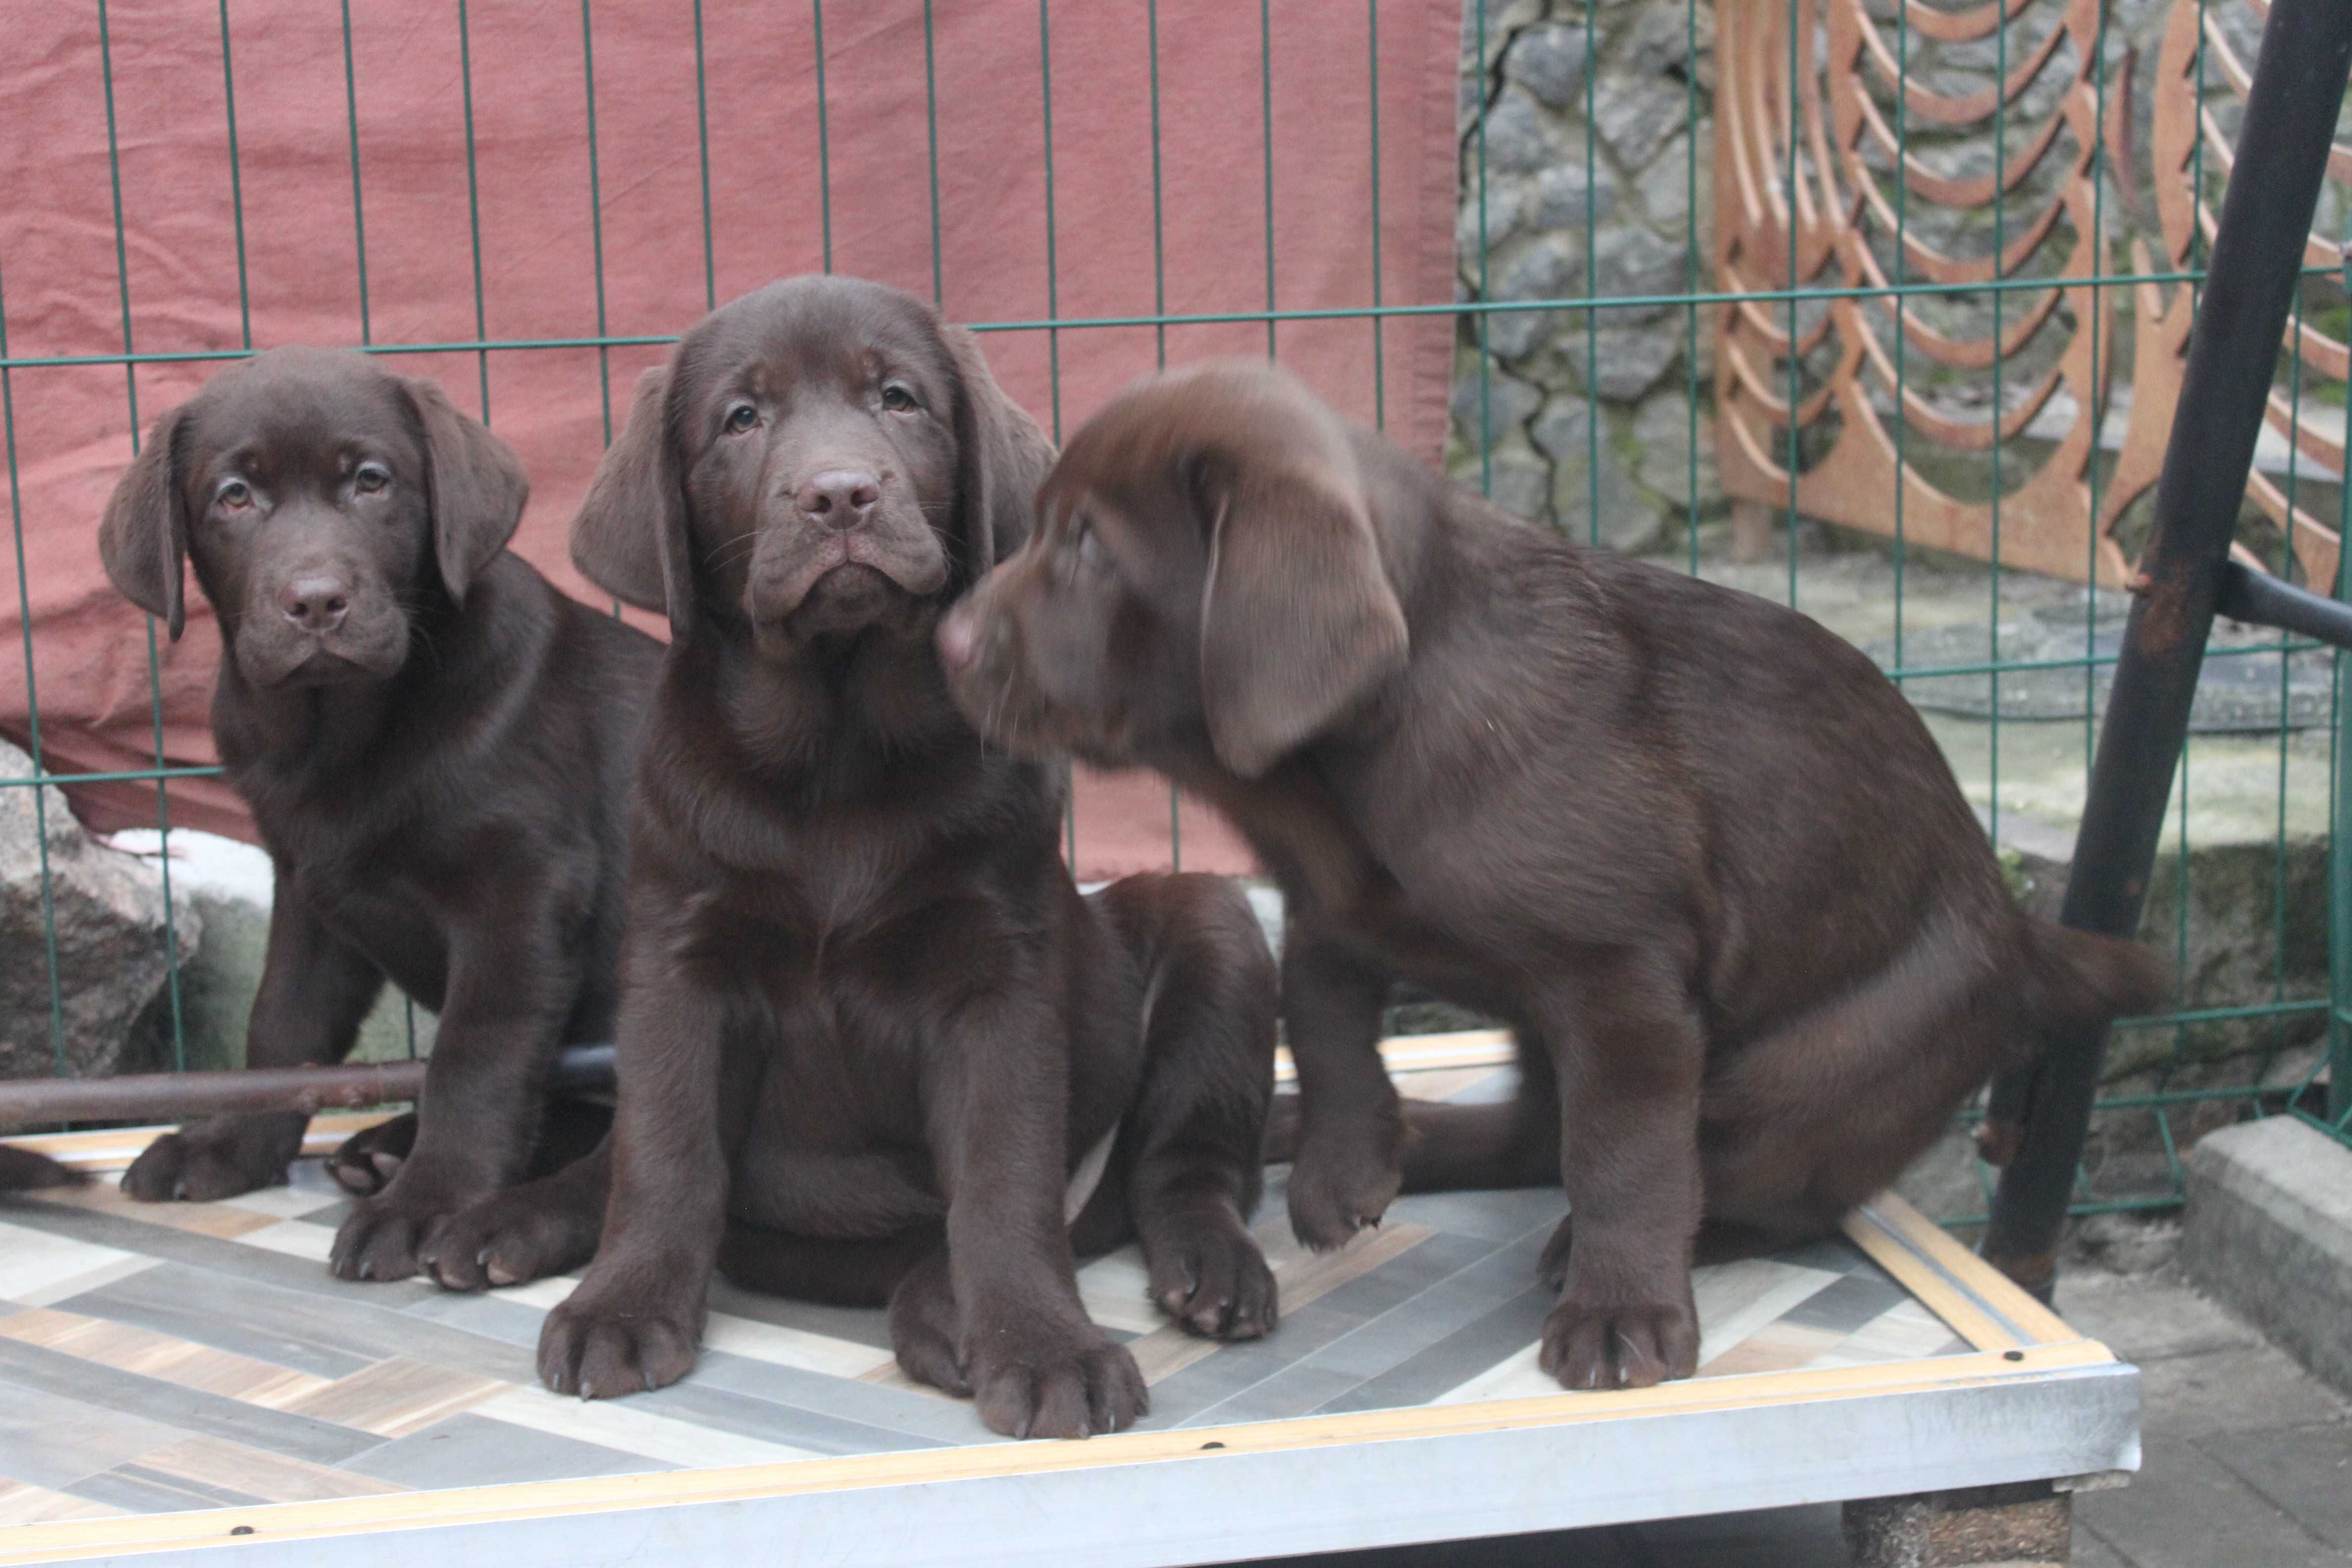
pixel 316 603
pixel 838 497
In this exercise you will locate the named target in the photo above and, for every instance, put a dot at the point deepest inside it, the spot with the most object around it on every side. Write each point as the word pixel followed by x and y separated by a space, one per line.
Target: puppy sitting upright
pixel 873 1043
pixel 435 746
pixel 1698 851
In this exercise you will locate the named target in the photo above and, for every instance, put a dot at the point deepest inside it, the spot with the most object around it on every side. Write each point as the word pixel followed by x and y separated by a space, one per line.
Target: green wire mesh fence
pixel 1795 294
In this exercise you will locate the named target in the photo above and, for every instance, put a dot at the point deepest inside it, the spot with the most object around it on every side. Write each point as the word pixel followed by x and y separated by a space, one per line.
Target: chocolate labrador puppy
pixel 436 745
pixel 1697 850
pixel 873 1043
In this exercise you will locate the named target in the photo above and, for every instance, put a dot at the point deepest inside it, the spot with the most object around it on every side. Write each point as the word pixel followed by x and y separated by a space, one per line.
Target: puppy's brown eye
pixel 742 417
pixel 234 496
pixel 899 399
pixel 371 478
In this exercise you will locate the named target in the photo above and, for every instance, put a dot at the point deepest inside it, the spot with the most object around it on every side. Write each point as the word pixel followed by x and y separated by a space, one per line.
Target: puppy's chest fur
pixel 848 897
pixel 385 860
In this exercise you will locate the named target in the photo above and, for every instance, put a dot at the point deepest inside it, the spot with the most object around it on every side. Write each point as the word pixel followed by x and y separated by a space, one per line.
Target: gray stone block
pixel 1668 184
pixel 1630 520
pixel 1503 409
pixel 1626 362
pixel 1561 190
pixel 1631 260
pixel 1548 61
pixel 1662 437
pixel 1520 137
pixel 1506 206
pixel 1637 114
pixel 102 915
pixel 2268 1233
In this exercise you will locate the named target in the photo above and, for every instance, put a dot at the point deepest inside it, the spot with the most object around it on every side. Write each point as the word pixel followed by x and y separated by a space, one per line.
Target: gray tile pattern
pixel 399 1368
pixel 106 1388
pixel 474 1451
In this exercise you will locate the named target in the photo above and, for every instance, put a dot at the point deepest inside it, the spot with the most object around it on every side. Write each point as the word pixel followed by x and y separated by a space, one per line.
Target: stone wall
pixel 1589 172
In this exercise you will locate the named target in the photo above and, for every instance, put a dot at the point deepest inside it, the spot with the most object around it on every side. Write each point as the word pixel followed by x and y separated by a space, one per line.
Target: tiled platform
pixel 161 1358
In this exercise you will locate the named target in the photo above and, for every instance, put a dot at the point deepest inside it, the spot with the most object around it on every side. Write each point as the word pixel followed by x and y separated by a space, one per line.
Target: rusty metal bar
pixel 172 1096
pixel 2257 256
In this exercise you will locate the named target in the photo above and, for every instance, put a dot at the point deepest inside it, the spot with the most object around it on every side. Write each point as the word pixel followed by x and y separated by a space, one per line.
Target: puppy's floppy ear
pixel 475 482
pixel 1002 459
pixel 143 540
pixel 1297 619
pixel 630 537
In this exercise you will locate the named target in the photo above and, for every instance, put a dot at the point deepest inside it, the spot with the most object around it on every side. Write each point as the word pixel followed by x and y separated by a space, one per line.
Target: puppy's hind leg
pixel 1191 1150
pixel 1819 1113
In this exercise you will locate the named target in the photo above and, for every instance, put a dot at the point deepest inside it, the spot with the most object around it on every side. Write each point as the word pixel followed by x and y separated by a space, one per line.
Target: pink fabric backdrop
pixel 63 294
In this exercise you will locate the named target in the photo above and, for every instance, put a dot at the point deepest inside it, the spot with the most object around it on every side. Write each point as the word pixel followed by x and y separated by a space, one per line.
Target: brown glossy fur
pixel 1697 850
pixel 869 1027
pixel 438 769
pixel 23 1171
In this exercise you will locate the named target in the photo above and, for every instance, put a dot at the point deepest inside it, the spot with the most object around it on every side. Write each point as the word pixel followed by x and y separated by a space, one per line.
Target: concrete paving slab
pixel 2149 1317
pixel 2187 1509
pixel 2305 1470
pixel 2231 1391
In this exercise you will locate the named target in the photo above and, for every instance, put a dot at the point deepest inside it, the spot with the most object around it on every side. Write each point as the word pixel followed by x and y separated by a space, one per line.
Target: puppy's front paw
pixel 216 1158
pixel 515 1237
pixel 1213 1278
pixel 383 1236
pixel 1344 1181
pixel 368 1159
pixel 1043 1381
pixel 607 1342
pixel 1621 1344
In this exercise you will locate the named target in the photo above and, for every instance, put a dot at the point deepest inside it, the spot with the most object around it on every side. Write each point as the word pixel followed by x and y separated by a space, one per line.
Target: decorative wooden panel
pixel 1827 217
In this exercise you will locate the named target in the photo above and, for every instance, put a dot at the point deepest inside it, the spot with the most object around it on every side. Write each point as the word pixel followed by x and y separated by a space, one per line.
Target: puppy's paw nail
pixel 501 1276
pixel 387 1166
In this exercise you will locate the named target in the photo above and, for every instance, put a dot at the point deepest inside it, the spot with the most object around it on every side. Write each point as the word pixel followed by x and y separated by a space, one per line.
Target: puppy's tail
pixel 2076 979
pixel 22 1170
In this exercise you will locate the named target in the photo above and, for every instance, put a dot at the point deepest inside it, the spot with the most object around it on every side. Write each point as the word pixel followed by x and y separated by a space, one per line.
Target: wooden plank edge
pixel 25 1544
pixel 2005 1296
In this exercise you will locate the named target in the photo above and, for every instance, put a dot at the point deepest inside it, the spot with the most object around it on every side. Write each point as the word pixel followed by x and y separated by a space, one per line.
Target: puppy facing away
pixel 873 1043
pixel 435 746
pixel 1696 850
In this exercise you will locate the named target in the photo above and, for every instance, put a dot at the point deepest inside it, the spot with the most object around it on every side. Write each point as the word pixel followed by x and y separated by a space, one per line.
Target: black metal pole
pixel 2258 249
